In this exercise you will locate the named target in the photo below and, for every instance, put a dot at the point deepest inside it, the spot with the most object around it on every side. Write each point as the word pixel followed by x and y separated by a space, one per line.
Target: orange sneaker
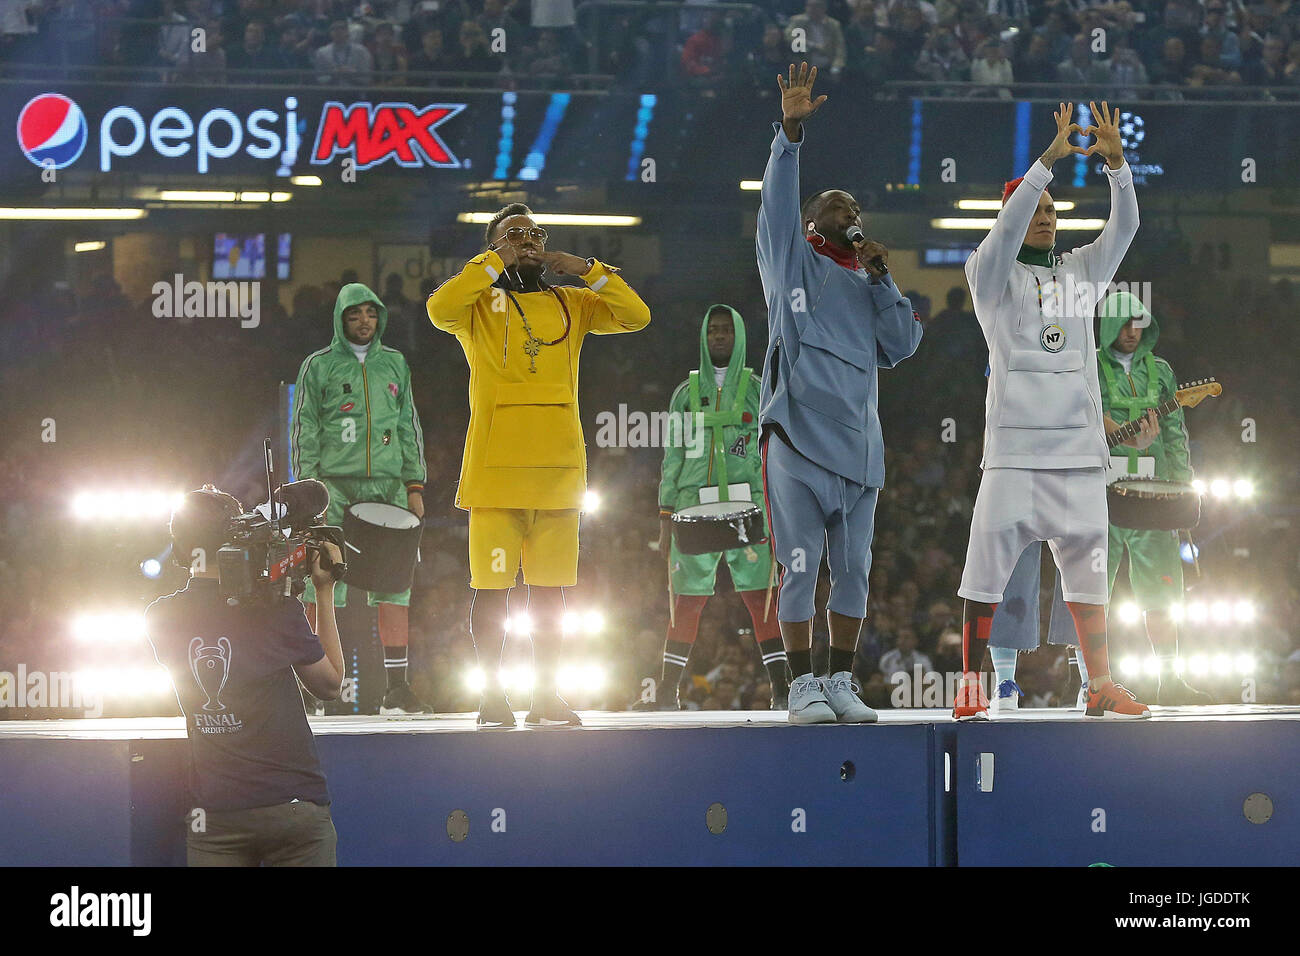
pixel 970 703
pixel 1115 701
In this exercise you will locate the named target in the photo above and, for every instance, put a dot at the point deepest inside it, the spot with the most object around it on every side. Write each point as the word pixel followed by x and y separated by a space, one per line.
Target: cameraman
pixel 255 775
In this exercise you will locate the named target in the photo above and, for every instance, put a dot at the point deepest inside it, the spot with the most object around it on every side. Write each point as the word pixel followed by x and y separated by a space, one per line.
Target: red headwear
pixel 1009 188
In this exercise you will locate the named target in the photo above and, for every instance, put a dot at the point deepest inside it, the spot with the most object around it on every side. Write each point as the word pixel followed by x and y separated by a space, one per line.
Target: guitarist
pixel 1133 383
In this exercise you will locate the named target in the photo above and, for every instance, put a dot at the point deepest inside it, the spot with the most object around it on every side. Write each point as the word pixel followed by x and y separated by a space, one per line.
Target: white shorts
pixel 1066 507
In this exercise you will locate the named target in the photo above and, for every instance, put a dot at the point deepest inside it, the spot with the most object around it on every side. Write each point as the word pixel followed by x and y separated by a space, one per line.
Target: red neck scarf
pixel 848 258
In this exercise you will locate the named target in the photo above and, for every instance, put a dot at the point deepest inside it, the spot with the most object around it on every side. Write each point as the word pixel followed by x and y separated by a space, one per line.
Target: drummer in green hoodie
pixel 721 462
pixel 1133 381
pixel 355 428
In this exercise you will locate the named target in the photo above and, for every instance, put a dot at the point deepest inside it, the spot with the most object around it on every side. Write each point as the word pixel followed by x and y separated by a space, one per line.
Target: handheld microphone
pixel 855 234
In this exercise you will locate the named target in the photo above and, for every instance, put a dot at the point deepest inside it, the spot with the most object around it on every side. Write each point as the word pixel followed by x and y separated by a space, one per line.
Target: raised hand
pixel 1108 142
pixel 1061 146
pixel 868 251
pixel 797 103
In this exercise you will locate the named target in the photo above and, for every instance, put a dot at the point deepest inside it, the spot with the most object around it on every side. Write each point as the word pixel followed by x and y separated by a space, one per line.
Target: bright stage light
pixel 1198 664
pixel 109 627
pixel 1221 612
pixel 1245 664
pixel 69 213
pixel 1062 225
pixel 593 622
pixel 305 180
pixel 89 245
pixel 476 680
pixel 591 501
pixel 1198 485
pixel 1129 613
pixel 1151 666
pixel 1130 666
pixel 125 505
pixel 1196 612
pixel 1177 613
pixel 751 185
pixel 197 195
pixel 556 219
pixel 1243 488
pixel 1244 612
pixel 151 567
pixel 1180 666
pixel 519 623
pixel 517 679
pixel 1222 664
pixel 570 622
pixel 1220 488
pixel 124 682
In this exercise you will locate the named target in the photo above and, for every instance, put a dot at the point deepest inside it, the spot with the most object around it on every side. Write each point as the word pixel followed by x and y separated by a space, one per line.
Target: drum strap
pixel 718 420
pixel 1133 405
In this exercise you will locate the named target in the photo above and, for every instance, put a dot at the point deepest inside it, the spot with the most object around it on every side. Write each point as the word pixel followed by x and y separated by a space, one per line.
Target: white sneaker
pixel 808 703
pixel 1006 699
pixel 842 695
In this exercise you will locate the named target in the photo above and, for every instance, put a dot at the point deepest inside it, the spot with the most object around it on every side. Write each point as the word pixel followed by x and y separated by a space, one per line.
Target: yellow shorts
pixel 545 542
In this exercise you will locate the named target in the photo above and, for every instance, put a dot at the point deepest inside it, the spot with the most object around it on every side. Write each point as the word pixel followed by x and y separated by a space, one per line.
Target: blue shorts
pixel 812 510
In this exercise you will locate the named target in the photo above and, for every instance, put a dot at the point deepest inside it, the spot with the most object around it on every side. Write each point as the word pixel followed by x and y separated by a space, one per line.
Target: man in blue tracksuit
pixel 834 317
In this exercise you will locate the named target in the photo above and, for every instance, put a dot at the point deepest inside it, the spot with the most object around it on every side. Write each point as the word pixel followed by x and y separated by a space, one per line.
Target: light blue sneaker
pixel 808 703
pixel 1006 698
pixel 842 695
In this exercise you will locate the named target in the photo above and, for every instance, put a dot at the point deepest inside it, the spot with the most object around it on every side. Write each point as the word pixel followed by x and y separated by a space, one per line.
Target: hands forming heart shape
pixel 1105 131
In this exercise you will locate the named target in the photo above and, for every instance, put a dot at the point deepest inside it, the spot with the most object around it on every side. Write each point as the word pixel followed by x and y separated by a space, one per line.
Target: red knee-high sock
pixel 1090 625
pixel 977 621
pixel 680 640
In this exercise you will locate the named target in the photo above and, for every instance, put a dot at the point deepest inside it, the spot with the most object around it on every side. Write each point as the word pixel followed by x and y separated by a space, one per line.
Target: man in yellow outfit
pixel 524 473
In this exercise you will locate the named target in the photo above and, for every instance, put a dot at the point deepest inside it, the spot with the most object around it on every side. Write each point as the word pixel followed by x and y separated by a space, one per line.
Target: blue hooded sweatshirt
pixel 829 329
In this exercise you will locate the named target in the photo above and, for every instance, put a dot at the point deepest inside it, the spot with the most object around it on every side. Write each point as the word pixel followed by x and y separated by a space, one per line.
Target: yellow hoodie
pixel 525 447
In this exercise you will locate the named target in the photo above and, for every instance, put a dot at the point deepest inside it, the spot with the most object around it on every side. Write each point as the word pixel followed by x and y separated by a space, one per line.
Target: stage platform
pixel 1208 786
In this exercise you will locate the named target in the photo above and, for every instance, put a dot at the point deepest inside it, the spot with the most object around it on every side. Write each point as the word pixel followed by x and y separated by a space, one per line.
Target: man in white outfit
pixel 1045 450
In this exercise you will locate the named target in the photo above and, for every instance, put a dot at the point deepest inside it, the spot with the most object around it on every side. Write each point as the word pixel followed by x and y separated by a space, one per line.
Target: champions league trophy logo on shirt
pixel 211 667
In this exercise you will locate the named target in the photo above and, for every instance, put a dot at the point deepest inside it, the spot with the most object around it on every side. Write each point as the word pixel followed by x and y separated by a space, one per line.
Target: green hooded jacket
pixel 353 419
pixel 1151 382
pixel 695 457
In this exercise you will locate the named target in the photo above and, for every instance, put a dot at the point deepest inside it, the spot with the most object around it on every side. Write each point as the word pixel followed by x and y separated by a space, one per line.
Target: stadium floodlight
pixel 593 622
pixel 993 205
pixel 1220 488
pixel 1129 613
pixel 1221 612
pixel 90 245
pixel 1198 486
pixel 1244 611
pixel 751 185
pixel 974 223
pixel 72 213
pixel 475 679
pixel 557 219
pixel 108 627
pixel 198 195
pixel 1177 613
pixel 591 501
pixel 306 180
pixel 1197 612
pixel 1243 488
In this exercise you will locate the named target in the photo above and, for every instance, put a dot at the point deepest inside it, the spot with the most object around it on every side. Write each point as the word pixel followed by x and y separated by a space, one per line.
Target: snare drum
pixel 381 544
pixel 1153 504
pixel 717 526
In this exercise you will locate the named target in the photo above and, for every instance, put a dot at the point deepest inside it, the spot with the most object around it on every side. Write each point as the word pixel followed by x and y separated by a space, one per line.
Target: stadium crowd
pixel 984 45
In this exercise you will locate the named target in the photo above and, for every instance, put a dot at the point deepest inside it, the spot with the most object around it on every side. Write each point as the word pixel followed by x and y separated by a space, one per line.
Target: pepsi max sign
pixel 53 131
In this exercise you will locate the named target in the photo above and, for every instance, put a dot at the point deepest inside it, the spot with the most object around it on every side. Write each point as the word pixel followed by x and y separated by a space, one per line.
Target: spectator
pixel 548 58
pixel 882 61
pixel 704 54
pixel 253 53
pixel 553 14
pixel 773 57
pixel 1215 26
pixel 823 39
pixel 1079 67
pixel 1036 65
pixel 1126 72
pixel 388 55
pixel 1268 67
pixel 341 60
pixel 292 47
pixel 1055 31
pixel 992 68
pixel 1173 68
pixel 942 58
pixel 209 64
pixel 432 57
pixel 859 34
pixel 910 31
pixel 473 55
pixel 904 658
pixel 495 16
pixel 1210 72
pixel 173 35
pixel 1291 72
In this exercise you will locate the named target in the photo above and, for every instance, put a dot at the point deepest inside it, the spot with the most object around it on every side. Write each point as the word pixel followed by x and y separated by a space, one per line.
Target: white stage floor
pixel 144 728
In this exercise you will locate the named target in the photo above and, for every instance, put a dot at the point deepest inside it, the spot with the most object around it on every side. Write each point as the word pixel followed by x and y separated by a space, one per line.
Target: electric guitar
pixel 1188 396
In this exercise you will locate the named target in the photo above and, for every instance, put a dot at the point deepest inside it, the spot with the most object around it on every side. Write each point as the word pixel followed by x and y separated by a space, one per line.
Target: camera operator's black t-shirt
pixel 232 668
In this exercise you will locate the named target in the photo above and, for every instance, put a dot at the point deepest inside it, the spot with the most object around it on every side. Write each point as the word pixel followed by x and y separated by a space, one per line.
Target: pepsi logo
pixel 52 130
